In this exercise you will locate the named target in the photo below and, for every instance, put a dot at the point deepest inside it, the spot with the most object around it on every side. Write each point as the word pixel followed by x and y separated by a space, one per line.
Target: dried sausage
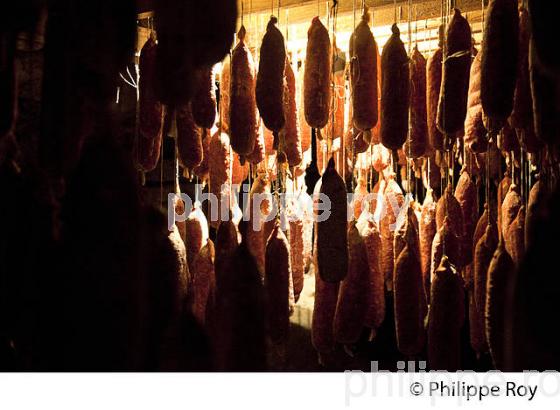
pixel 270 78
pixel 364 75
pixel 353 299
pixel 317 77
pixel 394 92
pixel 242 104
pixel 500 276
pixel 332 241
pixel 500 50
pixel 204 98
pixel 452 108
pixel 189 138
pixel 150 127
pixel 433 88
pixel 416 144
pixel 446 317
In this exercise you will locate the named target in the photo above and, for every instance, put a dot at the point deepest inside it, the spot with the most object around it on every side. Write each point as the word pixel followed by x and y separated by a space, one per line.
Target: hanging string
pixel 483 17
pixel 409 27
pixel 334 13
pixel 408 167
pixel 416 25
pixel 395 9
pixel 242 11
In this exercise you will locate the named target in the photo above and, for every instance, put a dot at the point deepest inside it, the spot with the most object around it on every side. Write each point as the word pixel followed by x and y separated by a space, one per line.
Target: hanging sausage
pixel 394 92
pixel 317 77
pixel 363 78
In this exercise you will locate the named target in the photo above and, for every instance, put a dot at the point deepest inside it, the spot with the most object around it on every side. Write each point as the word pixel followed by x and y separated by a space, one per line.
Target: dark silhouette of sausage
pixel 500 277
pixel 543 27
pixel 394 92
pixel 277 285
pixel 150 127
pixel 332 240
pixel 522 114
pixel 324 308
pixel 270 78
pixel 452 108
pixel 500 50
pixel 8 83
pixel 546 113
pixel 433 88
pixel 191 35
pixel 446 317
pixel 409 296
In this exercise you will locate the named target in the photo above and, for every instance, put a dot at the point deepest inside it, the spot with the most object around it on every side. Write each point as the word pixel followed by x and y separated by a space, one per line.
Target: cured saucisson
pixel 452 108
pixel 427 230
pixel 515 239
pixel 317 76
pixel 389 209
pixel 150 127
pixel 270 78
pixel 475 132
pixel 510 208
pixel 500 50
pixel 201 170
pixel 297 254
pixel 500 275
pixel 363 69
pixel 290 133
pixel 332 240
pixel 409 295
pixel 543 28
pixel 416 143
pixel 242 104
pixel 219 173
pixel 395 91
pixel 353 299
pixel 546 113
pixel 196 228
pixel 522 114
pixel 244 312
pixel 225 94
pixel 204 99
pixel 446 317
pixel 433 88
pixel 278 285
pixel 466 195
pixel 376 295
pixel 483 253
pixel 324 309
pixel 189 138
pixel 537 196
pixel 204 282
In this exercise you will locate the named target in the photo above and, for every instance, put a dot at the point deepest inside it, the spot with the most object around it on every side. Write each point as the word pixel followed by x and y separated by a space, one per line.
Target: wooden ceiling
pixel 295 16
pixel 304 10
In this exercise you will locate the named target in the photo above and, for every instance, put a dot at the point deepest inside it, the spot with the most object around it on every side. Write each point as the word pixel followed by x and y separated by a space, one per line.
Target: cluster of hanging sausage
pixel 442 254
pixel 443 262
